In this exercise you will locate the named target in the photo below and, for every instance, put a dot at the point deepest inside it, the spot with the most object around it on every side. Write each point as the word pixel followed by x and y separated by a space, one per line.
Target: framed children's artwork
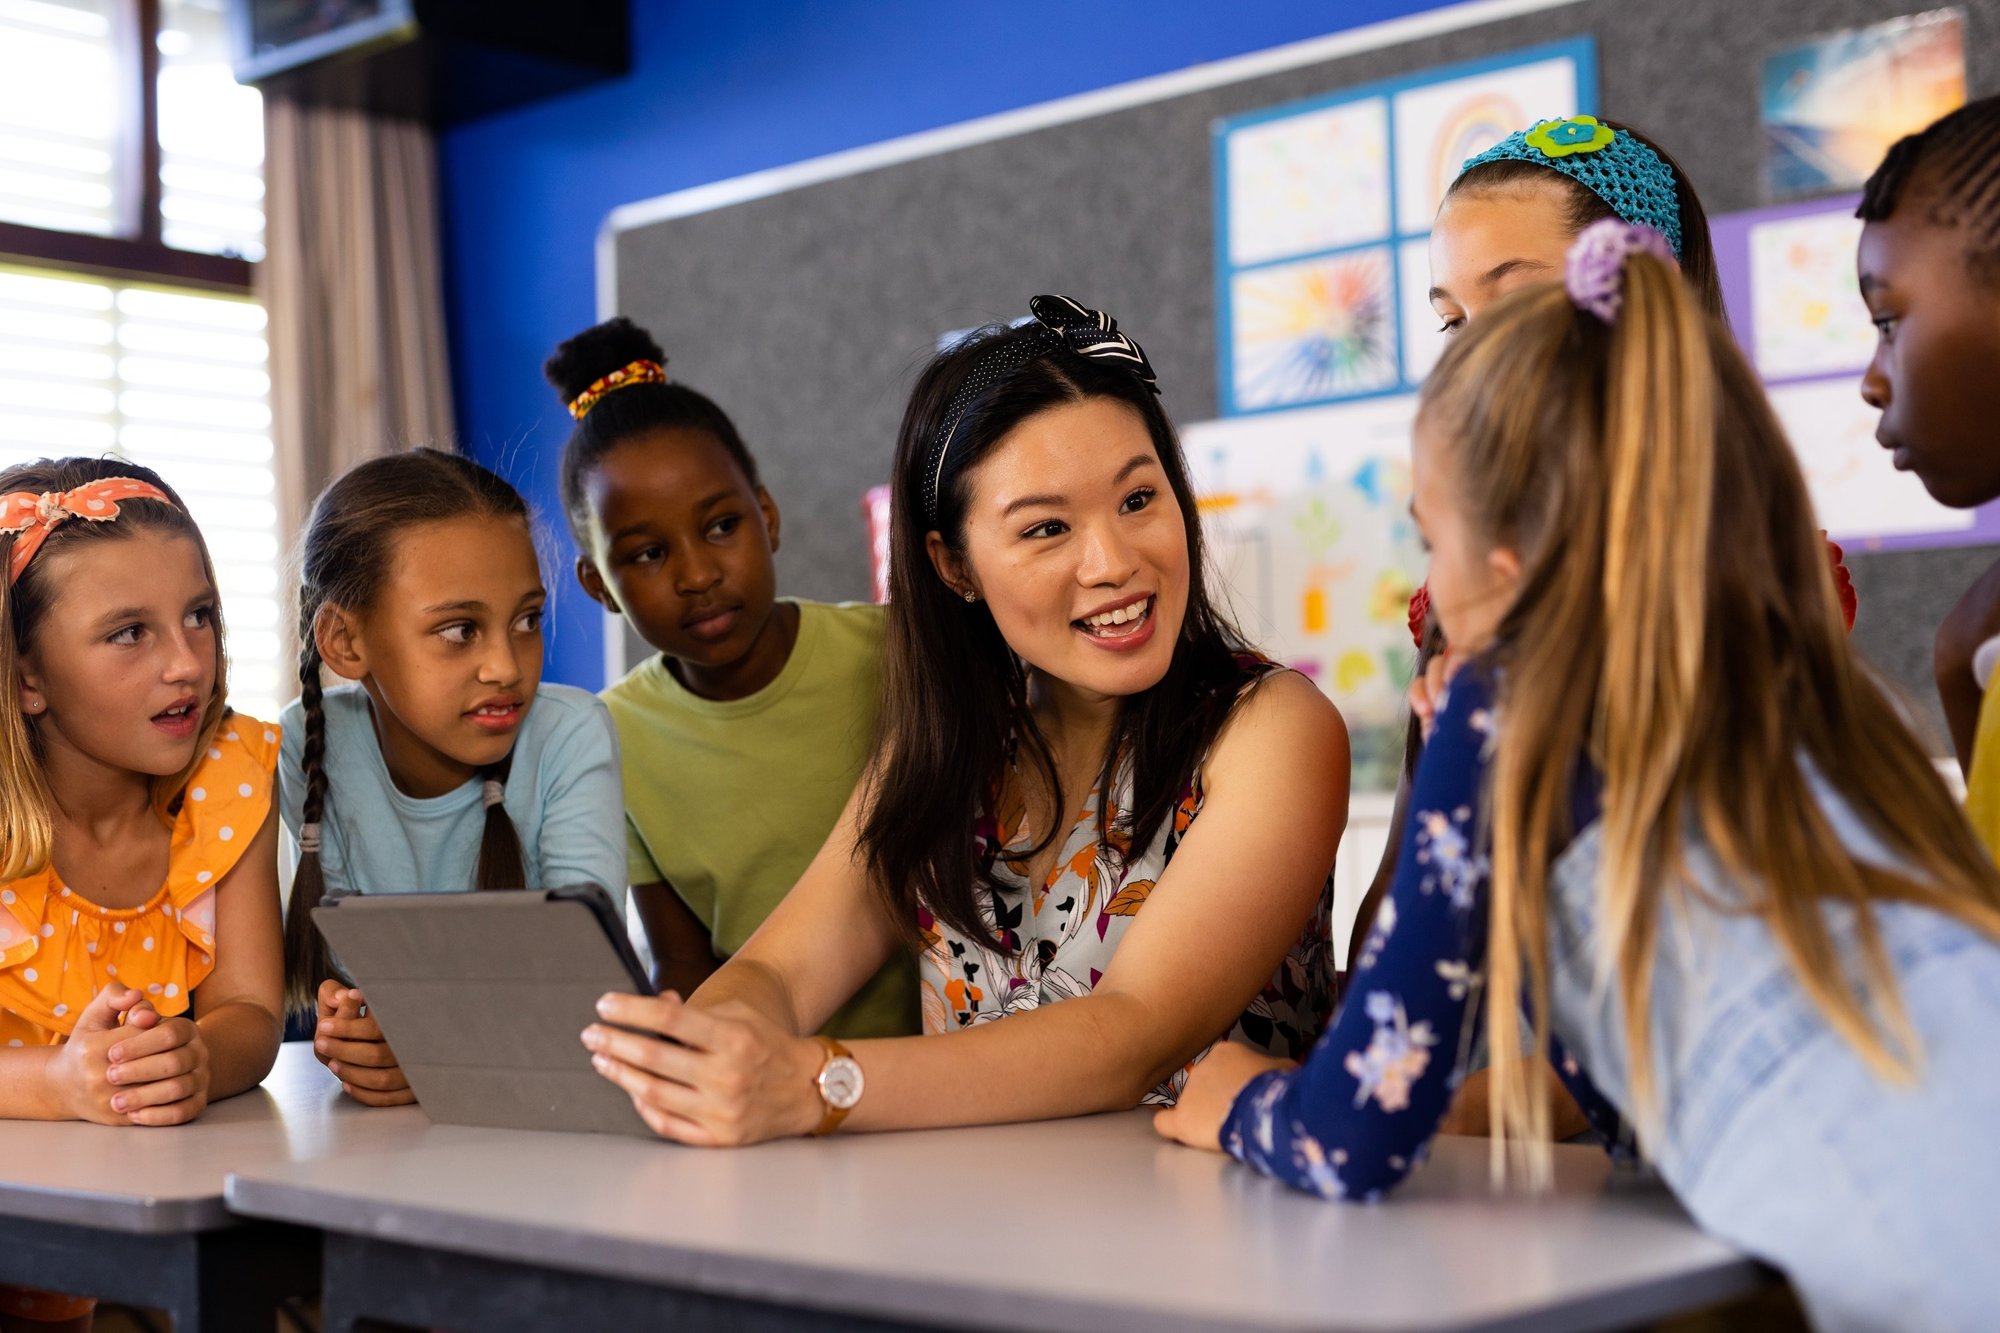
pixel 1308 330
pixel 1789 282
pixel 1322 212
pixel 1307 519
pixel 1805 302
pixel 1833 105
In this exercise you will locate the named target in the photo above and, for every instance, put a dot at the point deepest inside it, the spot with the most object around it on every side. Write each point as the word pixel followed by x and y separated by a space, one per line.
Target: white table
pixel 1081 1224
pixel 136 1214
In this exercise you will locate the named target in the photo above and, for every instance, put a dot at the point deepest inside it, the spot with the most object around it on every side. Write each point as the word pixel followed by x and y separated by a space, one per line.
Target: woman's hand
pixel 349 1043
pixel 726 1076
pixel 79 1082
pixel 1212 1088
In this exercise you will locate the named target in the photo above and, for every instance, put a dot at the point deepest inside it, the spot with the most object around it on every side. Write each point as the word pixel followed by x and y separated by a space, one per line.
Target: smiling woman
pixel 1070 814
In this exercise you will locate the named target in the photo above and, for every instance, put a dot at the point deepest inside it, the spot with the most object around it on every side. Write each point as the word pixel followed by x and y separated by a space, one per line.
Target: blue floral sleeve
pixel 1353 1120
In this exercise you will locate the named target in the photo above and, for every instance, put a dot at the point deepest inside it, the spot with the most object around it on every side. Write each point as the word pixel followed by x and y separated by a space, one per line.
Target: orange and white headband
pixel 625 377
pixel 33 517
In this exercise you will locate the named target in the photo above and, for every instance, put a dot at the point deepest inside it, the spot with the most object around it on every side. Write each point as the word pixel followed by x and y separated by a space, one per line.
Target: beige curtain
pixel 352 281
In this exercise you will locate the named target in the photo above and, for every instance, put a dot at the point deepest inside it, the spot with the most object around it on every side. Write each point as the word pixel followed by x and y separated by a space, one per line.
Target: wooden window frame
pixel 135 250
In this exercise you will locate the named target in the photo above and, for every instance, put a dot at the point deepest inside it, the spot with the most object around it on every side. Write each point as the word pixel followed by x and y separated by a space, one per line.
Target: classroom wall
pixel 717 90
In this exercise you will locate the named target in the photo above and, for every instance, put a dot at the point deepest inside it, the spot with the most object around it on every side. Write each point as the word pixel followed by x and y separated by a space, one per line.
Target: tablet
pixel 484 996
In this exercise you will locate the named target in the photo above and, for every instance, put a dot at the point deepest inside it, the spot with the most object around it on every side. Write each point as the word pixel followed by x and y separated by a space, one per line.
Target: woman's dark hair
pixel 955 695
pixel 27 807
pixel 1583 207
pixel 344 559
pixel 626 413
pixel 1958 156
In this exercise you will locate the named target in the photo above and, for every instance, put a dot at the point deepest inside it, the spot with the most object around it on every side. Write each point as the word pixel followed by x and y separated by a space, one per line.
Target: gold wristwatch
pixel 839 1085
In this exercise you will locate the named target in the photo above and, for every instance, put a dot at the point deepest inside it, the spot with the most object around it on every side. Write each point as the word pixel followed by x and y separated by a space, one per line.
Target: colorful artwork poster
pixel 1857 495
pixel 1307 518
pixel 1806 312
pixel 1321 212
pixel 1311 182
pixel 1833 105
pixel 1314 329
pixel 1440 125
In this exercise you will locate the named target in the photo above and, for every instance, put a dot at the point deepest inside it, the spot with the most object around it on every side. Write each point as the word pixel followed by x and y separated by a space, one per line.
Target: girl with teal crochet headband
pixel 1506 223
pixel 1531 194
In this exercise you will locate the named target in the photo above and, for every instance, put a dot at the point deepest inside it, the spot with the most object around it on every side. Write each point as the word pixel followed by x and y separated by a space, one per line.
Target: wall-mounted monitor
pixel 444 61
pixel 272 36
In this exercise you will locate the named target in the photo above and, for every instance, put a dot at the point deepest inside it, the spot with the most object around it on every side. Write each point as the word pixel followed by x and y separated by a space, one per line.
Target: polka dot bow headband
pixel 1058 322
pixel 31 517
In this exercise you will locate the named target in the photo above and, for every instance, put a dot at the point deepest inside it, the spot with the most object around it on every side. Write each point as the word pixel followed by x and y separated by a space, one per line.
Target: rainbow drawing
pixel 1467 130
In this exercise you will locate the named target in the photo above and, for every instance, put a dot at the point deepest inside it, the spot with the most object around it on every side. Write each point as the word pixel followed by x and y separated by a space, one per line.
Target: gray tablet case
pixel 483 997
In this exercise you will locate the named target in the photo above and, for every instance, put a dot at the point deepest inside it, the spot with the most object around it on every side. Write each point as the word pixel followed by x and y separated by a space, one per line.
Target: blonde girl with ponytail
pixel 443 762
pixel 1669 824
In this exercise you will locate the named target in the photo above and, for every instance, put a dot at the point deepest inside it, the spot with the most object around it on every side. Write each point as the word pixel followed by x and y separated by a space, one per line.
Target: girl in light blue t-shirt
pixel 443 765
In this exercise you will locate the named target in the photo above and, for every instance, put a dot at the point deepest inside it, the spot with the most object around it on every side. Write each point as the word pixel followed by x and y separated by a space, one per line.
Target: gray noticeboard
pixel 806 313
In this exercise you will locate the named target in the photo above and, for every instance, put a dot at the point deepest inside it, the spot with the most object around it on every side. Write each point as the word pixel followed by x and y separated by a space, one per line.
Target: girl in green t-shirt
pixel 744 735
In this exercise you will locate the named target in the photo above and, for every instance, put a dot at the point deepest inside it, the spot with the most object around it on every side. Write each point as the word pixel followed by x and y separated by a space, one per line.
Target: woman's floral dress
pixel 1063 932
pixel 1356 1117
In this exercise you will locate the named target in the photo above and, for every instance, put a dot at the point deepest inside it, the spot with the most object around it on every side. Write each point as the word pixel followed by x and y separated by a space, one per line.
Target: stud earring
pixel 971 596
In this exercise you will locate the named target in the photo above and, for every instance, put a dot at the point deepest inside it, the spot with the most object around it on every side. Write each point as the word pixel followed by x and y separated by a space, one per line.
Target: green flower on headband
pixel 1578 134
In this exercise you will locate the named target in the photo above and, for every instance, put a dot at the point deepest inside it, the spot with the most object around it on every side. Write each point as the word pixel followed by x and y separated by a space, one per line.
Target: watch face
pixel 840 1083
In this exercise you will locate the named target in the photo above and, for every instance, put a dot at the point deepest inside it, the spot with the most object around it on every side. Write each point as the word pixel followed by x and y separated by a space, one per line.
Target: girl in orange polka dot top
pixel 139 926
pixel 138 862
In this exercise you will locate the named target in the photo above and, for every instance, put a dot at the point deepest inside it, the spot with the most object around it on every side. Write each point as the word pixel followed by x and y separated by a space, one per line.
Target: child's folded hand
pixel 1196 1117
pixel 78 1071
pixel 160 1076
pixel 349 1042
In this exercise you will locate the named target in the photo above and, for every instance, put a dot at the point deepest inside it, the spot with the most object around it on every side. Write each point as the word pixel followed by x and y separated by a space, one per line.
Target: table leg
pixel 373 1284
pixel 218 1281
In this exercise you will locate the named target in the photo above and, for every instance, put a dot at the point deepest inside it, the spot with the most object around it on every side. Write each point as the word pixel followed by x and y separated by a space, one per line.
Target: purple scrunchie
pixel 1595 274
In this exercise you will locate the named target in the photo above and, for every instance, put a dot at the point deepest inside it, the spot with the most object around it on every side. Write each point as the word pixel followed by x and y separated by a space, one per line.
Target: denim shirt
pixel 1879 1200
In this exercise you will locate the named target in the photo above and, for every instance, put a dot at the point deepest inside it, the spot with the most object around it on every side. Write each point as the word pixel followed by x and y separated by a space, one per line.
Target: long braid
pixel 501 865
pixel 306 958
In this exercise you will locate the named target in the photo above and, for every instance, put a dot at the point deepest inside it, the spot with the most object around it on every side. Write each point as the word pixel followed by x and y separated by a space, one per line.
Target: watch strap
pixel 830 1121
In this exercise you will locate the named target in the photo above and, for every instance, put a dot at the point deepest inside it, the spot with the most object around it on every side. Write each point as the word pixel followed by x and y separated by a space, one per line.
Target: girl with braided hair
pixel 139 957
pixel 444 764
pixel 1930 271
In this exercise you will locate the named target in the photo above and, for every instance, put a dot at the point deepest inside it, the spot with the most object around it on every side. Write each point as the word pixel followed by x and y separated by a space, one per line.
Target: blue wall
pixel 720 89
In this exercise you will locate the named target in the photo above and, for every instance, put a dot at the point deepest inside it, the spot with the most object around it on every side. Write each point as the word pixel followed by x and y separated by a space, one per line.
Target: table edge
pixel 915 1297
